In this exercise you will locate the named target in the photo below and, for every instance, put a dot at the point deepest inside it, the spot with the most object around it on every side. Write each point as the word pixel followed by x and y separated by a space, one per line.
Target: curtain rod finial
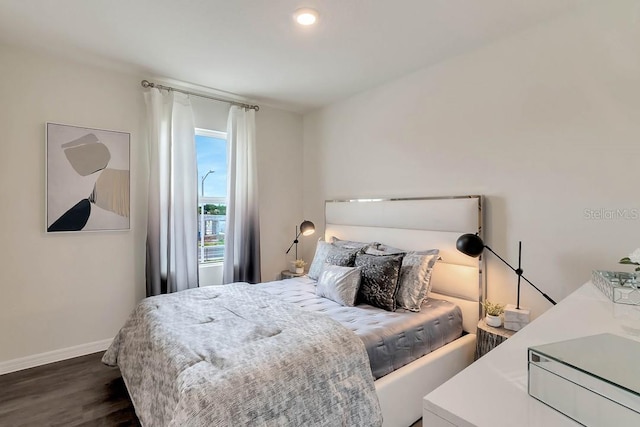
pixel 146 83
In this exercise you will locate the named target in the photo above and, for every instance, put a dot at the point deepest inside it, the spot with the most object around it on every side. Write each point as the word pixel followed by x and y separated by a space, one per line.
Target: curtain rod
pixel 147 83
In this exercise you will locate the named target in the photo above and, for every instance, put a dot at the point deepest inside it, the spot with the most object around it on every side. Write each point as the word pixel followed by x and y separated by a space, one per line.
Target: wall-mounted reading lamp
pixel 472 245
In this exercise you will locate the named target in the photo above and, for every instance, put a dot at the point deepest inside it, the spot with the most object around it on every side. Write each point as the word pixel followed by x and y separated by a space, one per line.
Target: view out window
pixel 211 151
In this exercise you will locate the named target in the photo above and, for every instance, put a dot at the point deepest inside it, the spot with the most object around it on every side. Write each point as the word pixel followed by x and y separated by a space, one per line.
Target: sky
pixel 212 155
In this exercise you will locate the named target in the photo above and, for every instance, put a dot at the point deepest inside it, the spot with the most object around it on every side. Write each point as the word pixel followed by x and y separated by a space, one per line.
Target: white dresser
pixel 492 392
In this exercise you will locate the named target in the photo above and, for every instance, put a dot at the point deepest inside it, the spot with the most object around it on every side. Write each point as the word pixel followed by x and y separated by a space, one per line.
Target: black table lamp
pixel 306 229
pixel 472 245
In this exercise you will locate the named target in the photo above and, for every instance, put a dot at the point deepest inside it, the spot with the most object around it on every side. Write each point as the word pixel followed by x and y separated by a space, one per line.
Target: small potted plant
pixel 632 259
pixel 298 266
pixel 493 312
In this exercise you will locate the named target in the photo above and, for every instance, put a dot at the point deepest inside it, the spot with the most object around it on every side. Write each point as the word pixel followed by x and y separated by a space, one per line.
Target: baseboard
pixel 53 356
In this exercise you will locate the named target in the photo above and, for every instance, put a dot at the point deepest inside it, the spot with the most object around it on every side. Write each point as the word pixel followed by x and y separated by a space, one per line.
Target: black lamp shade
pixel 307 228
pixel 470 244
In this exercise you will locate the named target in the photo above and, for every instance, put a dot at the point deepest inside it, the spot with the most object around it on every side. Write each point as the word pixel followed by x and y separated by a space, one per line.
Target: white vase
pixel 494 321
pixel 299 270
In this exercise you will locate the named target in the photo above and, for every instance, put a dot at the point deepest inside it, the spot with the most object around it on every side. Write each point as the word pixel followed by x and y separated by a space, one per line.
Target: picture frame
pixel 87 173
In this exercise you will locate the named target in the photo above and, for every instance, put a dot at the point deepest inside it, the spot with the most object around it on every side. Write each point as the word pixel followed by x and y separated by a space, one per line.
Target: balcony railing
pixel 211 229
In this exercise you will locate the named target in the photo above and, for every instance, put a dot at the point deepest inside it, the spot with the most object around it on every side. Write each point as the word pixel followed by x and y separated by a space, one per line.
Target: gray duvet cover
pixel 392 339
pixel 234 355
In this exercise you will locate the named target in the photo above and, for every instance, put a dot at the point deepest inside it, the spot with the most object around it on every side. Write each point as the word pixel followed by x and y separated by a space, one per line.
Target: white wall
pixel 279 139
pixel 545 123
pixel 65 290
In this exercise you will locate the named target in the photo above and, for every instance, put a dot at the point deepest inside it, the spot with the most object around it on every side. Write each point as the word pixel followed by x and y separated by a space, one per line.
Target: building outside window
pixel 211 152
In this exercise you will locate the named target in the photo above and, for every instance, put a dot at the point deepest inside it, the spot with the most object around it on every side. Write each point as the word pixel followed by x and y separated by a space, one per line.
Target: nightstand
pixel 286 274
pixel 488 338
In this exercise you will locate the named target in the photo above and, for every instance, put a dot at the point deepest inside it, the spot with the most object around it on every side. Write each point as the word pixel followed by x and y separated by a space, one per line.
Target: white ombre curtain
pixel 172 228
pixel 242 238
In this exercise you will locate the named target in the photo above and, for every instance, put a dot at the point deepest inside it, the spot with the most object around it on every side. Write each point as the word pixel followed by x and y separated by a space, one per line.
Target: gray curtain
pixel 172 257
pixel 242 237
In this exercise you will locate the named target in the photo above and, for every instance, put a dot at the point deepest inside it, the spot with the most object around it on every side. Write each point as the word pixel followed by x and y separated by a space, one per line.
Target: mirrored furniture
pixel 493 391
pixel 594 380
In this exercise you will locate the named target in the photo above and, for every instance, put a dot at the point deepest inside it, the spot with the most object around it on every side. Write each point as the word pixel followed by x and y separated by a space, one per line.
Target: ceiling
pixel 253 48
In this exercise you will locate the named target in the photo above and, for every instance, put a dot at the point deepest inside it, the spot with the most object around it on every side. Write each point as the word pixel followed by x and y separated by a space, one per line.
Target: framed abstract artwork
pixel 87 179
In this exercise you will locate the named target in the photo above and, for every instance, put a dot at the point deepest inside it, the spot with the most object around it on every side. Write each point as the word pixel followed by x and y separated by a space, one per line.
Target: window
pixel 211 153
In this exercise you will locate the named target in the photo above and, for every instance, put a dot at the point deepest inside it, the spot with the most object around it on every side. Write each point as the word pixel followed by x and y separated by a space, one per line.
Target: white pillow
pixel 339 284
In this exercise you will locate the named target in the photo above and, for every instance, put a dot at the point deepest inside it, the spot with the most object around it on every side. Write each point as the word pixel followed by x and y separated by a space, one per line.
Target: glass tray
pixel 619 287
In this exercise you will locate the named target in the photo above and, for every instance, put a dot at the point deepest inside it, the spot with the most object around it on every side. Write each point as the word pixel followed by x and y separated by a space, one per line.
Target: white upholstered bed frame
pixel 420 224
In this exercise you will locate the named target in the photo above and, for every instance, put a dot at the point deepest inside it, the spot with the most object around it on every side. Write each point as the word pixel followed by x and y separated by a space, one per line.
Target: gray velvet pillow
pixel 414 283
pixel 377 251
pixel 389 250
pixel 322 250
pixel 339 284
pixel 342 256
pixel 350 244
pixel 327 252
pixel 379 279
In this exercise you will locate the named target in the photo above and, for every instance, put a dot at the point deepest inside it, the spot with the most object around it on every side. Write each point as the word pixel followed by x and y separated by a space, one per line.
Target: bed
pixel 417 224
pixel 392 339
pixel 291 365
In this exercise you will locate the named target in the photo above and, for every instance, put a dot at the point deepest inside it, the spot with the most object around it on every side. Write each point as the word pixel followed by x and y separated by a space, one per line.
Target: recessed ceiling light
pixel 306 16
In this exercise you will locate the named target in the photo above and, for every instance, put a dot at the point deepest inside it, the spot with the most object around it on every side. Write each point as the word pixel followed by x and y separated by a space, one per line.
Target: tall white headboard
pixel 419 224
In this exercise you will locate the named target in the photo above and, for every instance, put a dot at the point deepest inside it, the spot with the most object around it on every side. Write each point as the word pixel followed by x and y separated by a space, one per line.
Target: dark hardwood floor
pixel 74 392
